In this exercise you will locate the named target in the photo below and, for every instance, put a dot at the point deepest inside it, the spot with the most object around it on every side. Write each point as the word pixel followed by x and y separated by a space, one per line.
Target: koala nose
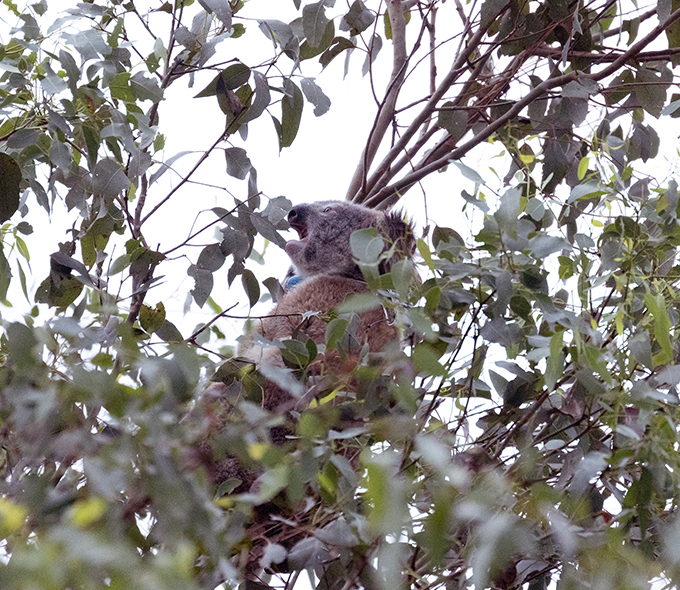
pixel 297 214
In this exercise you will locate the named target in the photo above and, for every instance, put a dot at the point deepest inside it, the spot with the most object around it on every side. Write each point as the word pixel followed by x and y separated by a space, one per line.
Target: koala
pixel 326 275
pixel 322 259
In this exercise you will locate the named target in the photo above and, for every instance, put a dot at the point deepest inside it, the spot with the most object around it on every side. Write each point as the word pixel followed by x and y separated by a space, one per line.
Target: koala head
pixel 324 229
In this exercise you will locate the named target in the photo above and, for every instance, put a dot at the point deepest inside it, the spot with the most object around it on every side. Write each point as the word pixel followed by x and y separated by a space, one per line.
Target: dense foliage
pixel 526 435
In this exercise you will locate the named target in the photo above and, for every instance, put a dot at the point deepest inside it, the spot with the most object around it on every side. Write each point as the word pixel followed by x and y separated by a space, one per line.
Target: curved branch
pixel 395 9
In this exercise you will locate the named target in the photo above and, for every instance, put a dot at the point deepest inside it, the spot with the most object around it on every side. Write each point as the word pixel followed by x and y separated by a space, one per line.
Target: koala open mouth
pixel 300 228
pixel 294 248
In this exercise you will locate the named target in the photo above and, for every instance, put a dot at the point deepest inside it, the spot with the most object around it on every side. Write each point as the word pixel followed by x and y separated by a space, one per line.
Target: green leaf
pixel 402 273
pixel 641 348
pixel 555 363
pixel 146 88
pixel 61 293
pixel 424 251
pixel 10 183
pixel 251 287
pixel 307 51
pixel 92 141
pixel 587 190
pixel 314 22
pixel 338 45
pixel 335 330
pixel 426 360
pixel 388 24
pixel 359 302
pixel 650 90
pixel 490 10
pixel 152 319
pixel 119 264
pixel 5 276
pixel 229 79
pixel 583 167
pixel 168 332
pixel 673 31
pixel 662 326
pixel 291 106
pixel 120 87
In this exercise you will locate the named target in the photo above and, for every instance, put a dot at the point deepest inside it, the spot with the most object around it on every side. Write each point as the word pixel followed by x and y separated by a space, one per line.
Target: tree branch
pixel 386 112
pixel 459 67
pixel 390 194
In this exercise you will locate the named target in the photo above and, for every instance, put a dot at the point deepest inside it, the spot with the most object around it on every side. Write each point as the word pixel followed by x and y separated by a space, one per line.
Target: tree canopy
pixel 525 436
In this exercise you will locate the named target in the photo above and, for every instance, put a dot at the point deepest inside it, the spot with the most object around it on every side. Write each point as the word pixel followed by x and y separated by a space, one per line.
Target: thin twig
pixel 202 159
pixel 210 323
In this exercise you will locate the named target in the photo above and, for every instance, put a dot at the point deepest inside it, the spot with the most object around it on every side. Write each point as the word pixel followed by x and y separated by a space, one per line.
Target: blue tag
pixel 291 282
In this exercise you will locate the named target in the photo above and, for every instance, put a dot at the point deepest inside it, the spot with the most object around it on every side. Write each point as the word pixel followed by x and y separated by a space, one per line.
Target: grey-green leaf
pixel 358 19
pixel 366 245
pixel 5 276
pixel 314 22
pixel 220 8
pixel 261 99
pixel 109 179
pixel 454 121
pixel 168 332
pixel 203 284
pixel 10 181
pixel 211 258
pixel 291 114
pixel 146 88
pixel 251 287
pixel 229 79
pixel 238 163
pixel 315 95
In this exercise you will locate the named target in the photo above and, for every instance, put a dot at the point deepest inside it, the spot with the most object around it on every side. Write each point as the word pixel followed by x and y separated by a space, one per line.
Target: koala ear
pixel 396 230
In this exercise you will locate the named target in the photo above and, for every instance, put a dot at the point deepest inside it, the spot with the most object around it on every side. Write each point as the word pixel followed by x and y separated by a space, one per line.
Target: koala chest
pixel 321 294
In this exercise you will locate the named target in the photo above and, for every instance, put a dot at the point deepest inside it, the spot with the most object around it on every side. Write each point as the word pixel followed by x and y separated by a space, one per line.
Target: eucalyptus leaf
pixel 10 183
pixel 238 163
pixel 292 105
pixel 314 22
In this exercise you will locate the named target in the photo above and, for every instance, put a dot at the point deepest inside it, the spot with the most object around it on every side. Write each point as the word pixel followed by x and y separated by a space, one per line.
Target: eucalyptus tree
pixel 525 436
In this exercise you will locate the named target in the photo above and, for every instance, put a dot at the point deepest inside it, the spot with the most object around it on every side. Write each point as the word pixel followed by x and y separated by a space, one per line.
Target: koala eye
pixel 327 209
